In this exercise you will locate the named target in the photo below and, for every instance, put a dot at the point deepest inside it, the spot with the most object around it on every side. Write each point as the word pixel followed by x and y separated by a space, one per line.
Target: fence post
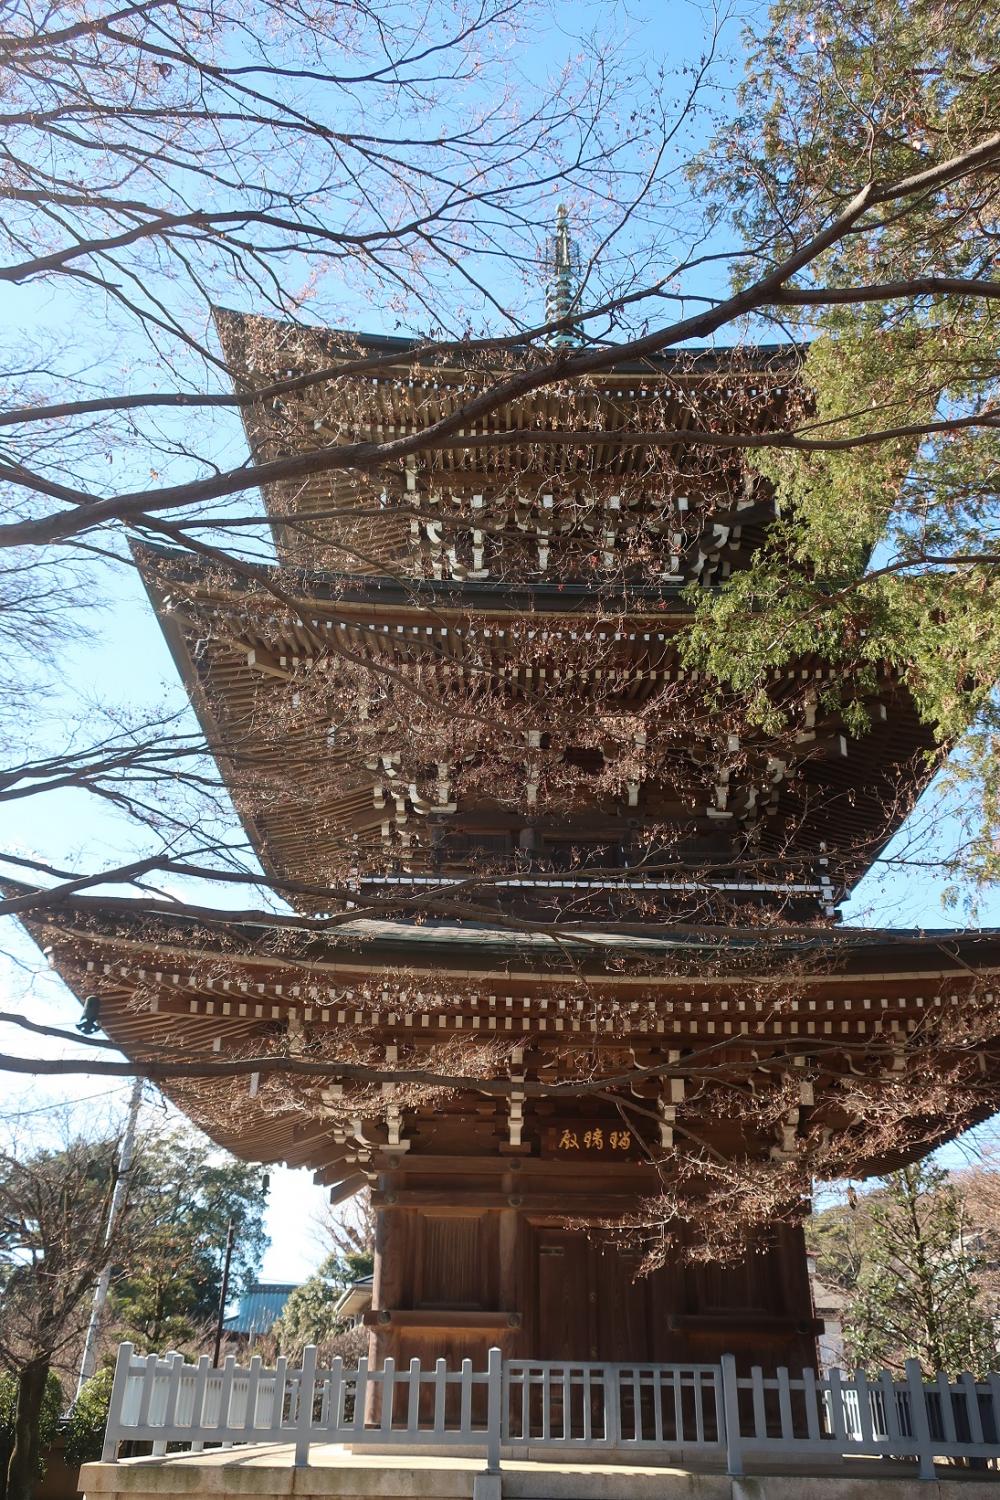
pixel 919 1422
pixel 731 1416
pixel 123 1364
pixel 176 1363
pixel 494 1409
pixel 307 1389
pixel 613 1407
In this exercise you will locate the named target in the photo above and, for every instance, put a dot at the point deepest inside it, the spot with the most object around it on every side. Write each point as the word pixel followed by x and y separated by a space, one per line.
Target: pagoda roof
pixel 241 650
pixel 343 943
pixel 174 986
pixel 338 388
pixel 236 329
pixel 373 591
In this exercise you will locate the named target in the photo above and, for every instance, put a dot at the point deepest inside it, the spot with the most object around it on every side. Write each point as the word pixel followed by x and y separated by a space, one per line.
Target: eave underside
pixel 707 509
pixel 823 1017
pixel 321 810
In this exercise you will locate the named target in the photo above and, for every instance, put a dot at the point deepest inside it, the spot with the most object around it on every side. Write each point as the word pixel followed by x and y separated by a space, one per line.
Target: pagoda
pixel 555 913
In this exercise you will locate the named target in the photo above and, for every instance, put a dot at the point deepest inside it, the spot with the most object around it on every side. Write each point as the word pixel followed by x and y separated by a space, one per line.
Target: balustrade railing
pixel 535 1407
pixel 613 1407
pixel 885 1417
pixel 162 1400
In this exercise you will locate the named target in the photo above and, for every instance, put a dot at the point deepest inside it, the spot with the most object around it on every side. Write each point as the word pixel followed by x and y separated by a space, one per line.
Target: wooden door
pixel 589 1303
pixel 563 1296
pixel 623 1306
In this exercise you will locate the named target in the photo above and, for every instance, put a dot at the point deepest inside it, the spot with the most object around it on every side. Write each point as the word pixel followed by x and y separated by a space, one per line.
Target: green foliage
pixel 57 1235
pixel 308 1316
pixel 167 1292
pixel 350 1265
pixel 85 1427
pixel 839 1239
pixel 915 1291
pixel 52 1406
pixel 890 543
pixel 837 92
pixel 167 1247
pixel 55 1208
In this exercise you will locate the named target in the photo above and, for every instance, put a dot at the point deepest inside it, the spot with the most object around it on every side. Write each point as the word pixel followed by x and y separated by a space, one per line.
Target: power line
pixel 20 1114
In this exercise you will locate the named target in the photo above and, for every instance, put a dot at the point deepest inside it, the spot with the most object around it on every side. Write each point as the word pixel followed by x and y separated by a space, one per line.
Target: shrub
pixel 86 1422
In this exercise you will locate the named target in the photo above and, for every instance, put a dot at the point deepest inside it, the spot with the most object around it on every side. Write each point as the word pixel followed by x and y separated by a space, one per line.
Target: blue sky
pixel 123 659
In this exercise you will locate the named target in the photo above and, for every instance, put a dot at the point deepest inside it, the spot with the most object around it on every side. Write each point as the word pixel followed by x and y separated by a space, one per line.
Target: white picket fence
pixel 777 1417
pixel 160 1399
pixel 615 1408
pixel 522 1407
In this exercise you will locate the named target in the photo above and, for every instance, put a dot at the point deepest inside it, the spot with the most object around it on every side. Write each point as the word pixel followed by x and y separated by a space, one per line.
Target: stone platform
pixel 337 1473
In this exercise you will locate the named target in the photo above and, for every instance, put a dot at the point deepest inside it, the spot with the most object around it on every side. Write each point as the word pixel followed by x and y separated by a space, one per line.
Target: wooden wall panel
pixel 450 1272
pixel 451 1284
pixel 622 1306
pixel 456 1261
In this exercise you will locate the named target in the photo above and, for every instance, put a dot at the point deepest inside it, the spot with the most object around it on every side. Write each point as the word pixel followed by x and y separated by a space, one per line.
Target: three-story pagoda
pixel 560 906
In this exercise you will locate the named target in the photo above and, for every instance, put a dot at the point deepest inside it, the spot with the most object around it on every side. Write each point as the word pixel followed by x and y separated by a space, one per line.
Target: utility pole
pixel 89 1360
pixel 224 1293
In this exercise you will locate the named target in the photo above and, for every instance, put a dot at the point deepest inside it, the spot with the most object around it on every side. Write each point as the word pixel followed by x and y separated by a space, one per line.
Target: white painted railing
pixel 777 1416
pixel 614 1407
pixel 162 1400
pixel 522 1407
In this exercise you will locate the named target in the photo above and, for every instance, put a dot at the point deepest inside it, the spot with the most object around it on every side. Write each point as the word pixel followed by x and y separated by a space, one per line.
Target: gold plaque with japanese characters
pixel 605 1140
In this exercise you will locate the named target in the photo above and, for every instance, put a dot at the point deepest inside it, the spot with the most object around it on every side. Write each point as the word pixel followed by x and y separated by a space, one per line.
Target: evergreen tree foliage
pixel 839 1240
pixel 55 1241
pixel 917 1296
pixel 85 1427
pixel 890 544
pixel 167 1292
pixel 165 1255
pixel 308 1316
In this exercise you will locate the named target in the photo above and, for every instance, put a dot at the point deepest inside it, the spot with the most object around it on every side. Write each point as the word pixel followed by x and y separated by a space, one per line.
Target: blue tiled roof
pixel 259 1307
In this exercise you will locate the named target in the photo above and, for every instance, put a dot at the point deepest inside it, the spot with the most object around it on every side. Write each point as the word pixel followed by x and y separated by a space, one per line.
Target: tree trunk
pixel 22 1472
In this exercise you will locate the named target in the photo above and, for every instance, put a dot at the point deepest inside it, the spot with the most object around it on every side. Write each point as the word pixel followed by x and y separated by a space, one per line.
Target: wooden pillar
pixel 510 1279
pixel 389 1279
